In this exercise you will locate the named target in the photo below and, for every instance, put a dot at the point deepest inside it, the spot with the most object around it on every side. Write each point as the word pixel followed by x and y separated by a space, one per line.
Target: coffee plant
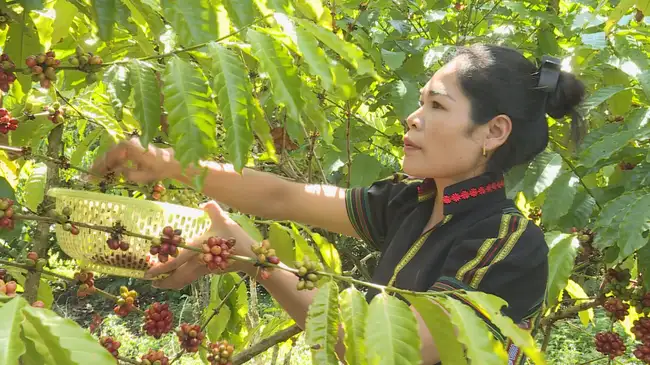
pixel 315 91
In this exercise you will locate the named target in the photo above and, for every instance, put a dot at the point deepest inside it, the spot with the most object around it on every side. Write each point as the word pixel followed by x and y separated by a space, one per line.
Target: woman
pixel 481 114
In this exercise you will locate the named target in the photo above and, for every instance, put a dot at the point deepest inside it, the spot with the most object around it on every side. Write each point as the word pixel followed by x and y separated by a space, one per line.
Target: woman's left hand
pixel 188 266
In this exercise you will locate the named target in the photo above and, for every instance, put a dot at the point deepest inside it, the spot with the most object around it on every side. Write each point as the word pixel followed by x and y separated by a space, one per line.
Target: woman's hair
pixel 499 80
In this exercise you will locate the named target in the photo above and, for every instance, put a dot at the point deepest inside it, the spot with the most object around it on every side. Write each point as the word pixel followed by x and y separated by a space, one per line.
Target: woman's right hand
pixel 189 265
pixel 148 165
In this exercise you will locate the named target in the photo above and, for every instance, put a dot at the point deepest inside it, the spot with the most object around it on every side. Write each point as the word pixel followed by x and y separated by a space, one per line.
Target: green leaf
pixel 644 81
pixel 391 332
pixel 319 63
pixel 191 111
pixel 105 14
pixel 348 51
pixel 7 191
pixel 541 173
pixel 82 147
pixel 577 292
pixel 605 147
pixel 65 15
pixel 393 60
pixel 11 346
pixel 100 116
pixel 282 242
pixel 303 249
pixel 479 342
pixel 596 40
pixel 146 97
pixel 440 327
pixel 354 310
pixel 50 356
pixel 561 259
pixel 118 87
pixel 559 197
pixel 283 74
pixel 248 225
pixel 614 209
pixel 322 324
pixel 365 170
pixel 218 323
pixel 492 305
pixel 618 12
pixel 35 186
pixel 600 96
pixel 31 355
pixel 44 293
pixel 241 12
pixel 43 20
pixel 329 253
pixel 66 339
pixel 620 103
pixel 580 211
pixel 194 21
pixel 234 91
pixel 633 224
pixel 314 113
pixel 32 4
pixel 22 42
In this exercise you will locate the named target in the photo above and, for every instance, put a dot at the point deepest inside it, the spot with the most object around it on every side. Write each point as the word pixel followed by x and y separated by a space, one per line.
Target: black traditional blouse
pixel 483 243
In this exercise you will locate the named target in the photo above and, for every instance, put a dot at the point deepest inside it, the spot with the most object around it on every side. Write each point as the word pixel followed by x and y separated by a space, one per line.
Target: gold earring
pixel 484 152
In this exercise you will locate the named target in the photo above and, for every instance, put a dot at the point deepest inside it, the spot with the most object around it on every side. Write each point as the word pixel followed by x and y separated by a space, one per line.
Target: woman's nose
pixel 413 121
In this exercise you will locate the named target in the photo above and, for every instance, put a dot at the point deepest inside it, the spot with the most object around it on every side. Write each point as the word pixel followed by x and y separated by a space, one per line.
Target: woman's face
pixel 438 144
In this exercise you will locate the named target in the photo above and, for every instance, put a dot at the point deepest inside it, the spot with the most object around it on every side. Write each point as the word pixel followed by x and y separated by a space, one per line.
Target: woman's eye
pixel 420 102
pixel 436 105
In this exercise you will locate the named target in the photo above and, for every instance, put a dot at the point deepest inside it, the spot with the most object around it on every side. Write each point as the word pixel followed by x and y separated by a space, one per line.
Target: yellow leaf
pixel 8 169
pixel 575 291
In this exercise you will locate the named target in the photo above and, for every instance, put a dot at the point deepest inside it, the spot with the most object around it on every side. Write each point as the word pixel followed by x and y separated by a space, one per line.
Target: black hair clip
pixel 549 73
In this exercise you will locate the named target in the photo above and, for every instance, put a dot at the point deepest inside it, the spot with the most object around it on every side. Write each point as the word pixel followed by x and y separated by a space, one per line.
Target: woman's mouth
pixel 409 145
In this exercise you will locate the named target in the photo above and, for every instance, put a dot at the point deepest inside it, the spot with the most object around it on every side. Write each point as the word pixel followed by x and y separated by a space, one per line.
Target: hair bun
pixel 568 94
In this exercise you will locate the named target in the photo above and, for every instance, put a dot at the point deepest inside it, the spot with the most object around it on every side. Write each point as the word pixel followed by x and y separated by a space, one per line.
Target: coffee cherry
pixel 168 231
pixel 217 251
pixel 33 256
pixel 9 288
pixel 610 344
pixel 158 320
pixel 87 281
pixel 43 67
pixel 617 282
pixel 617 308
pixel 642 352
pixel 6 214
pixel 155 358
pixel 190 337
pixel 111 345
pixel 265 254
pixel 220 352
pixel 38 304
pixel 7 75
pixel 126 302
pixel 641 330
pixel 157 192
pixel 308 278
pixel 56 116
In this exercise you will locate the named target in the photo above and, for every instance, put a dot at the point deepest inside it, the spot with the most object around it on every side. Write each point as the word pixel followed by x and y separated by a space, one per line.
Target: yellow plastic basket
pixel 89 247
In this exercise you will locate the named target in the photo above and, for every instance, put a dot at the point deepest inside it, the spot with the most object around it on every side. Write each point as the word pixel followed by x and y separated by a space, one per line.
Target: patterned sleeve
pixel 374 208
pixel 512 264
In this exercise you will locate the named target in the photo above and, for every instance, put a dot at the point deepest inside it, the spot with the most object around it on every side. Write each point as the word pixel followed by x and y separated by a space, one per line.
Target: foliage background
pixel 338 77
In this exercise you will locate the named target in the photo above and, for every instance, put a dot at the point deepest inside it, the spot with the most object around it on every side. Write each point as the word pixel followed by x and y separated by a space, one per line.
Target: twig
pixel 265 344
pixel 127 360
pixel 223 302
pixel 570 311
pixel 547 337
pixel 593 360
pixel 19 152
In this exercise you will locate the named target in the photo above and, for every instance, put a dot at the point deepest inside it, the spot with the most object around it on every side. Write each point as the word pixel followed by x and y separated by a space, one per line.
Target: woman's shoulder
pixel 511 227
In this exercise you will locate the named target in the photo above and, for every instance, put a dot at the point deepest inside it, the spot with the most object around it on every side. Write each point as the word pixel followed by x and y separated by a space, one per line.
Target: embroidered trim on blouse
pixel 473 192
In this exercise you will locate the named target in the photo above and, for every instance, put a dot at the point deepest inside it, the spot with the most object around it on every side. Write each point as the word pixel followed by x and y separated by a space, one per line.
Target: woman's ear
pixel 498 131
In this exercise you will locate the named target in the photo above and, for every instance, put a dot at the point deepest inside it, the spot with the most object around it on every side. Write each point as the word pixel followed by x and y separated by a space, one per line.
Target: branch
pixel 570 311
pixel 42 239
pixel 265 344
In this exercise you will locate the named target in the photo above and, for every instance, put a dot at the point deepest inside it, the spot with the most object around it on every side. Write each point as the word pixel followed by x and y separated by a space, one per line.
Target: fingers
pixel 183 257
pixel 186 273
pixel 116 157
pixel 218 216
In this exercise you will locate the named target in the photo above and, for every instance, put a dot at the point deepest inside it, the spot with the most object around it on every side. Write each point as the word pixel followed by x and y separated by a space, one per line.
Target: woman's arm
pixel 282 286
pixel 251 192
